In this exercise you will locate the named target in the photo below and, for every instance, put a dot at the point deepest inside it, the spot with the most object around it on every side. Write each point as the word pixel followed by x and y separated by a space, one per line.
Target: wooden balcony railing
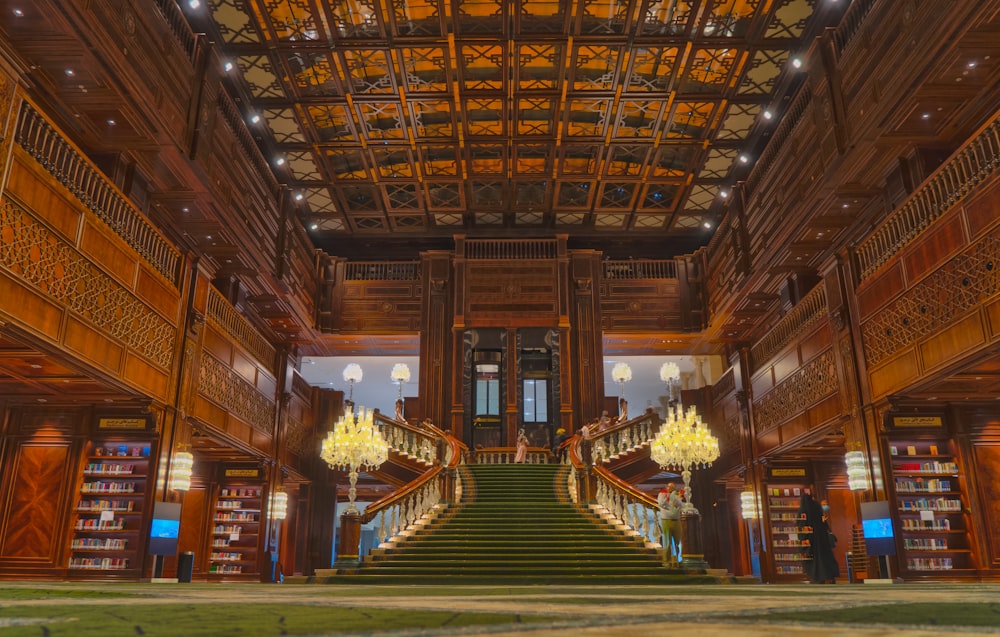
pixel 641 269
pixel 227 318
pixel 511 249
pixel 73 170
pixel 806 312
pixel 634 509
pixel 178 26
pixel 955 179
pixel 382 271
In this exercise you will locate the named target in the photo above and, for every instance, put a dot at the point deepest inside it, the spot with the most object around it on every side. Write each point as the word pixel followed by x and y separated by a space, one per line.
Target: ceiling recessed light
pixel 768 115
pixel 724 194
pixel 280 161
pixel 70 72
pixel 314 226
pixel 797 62
pixel 194 4
pixel 254 118
pixel 228 66
pixel 744 159
pixel 184 209
pixel 971 65
pixel 708 225
pixel 925 116
pixel 298 196
pixel 19 13
pixel 111 122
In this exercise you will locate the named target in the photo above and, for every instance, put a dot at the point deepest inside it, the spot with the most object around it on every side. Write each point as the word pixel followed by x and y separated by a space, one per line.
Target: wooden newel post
pixel 350 540
pixel 692 553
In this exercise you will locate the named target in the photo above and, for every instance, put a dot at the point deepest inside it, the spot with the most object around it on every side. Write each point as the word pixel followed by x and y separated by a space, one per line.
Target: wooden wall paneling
pixel 935 246
pixel 519 293
pixel 986 458
pixel 981 209
pixel 196 525
pixel 644 305
pixel 382 307
pixel 37 493
pixel 440 345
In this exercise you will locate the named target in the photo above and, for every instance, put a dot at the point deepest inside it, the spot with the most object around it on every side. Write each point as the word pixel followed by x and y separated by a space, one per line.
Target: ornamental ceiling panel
pixel 586 116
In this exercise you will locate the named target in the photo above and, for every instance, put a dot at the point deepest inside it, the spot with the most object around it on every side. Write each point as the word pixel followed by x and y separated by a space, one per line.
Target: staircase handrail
pixel 624 437
pixel 420 442
pixel 401 493
pixel 634 508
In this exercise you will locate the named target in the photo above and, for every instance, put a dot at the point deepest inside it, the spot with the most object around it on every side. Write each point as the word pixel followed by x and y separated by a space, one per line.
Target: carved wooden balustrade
pixel 409 440
pixel 74 171
pixel 415 502
pixel 955 179
pixel 629 506
pixel 505 455
pixel 623 438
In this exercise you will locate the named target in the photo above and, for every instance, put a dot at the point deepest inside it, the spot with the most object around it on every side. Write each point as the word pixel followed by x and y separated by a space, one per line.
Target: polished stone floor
pixel 562 611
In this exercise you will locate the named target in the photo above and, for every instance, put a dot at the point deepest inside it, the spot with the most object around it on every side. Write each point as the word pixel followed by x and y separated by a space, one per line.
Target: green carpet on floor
pixel 943 614
pixel 234 620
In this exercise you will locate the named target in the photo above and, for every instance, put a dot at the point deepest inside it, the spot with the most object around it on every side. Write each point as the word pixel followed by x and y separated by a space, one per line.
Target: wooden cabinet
pixel 111 511
pixel 930 508
pixel 236 532
pixel 789 540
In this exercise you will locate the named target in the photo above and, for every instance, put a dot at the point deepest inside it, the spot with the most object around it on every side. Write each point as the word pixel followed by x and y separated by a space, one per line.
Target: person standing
pixel 522 447
pixel 670 503
pixel 823 567
pixel 558 447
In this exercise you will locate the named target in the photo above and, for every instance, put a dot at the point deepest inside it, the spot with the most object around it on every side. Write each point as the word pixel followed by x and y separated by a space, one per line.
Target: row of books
pixel 96 506
pixel 108 487
pixel 919 485
pixel 927 467
pixel 929 563
pixel 931 504
pixel 99 544
pixel 109 469
pixel 99 563
pixel 240 492
pixel 95 524
pixel 925 544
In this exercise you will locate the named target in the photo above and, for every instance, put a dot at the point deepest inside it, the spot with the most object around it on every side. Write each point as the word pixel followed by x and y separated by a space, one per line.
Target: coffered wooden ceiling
pixel 416 119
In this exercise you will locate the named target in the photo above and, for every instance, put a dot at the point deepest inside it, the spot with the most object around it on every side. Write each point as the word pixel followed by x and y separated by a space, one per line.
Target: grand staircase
pixel 515 525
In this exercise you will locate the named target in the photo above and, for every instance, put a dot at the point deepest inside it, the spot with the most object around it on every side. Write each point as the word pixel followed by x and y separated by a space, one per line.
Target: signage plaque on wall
pixel 917 421
pixel 122 423
pixel 788 472
pixel 242 473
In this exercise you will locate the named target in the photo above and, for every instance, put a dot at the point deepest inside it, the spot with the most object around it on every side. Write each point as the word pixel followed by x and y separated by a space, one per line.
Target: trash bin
pixel 185 566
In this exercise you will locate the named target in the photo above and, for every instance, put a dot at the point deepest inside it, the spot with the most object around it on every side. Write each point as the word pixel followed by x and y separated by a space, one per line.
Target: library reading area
pixel 332 294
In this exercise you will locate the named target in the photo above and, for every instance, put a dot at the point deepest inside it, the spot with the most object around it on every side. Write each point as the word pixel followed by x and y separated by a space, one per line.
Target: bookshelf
pixel 789 541
pixel 930 509
pixel 110 514
pixel 236 530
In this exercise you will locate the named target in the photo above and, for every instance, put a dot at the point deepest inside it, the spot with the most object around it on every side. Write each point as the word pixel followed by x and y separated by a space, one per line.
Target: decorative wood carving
pixel 40 259
pixel 812 382
pixel 226 388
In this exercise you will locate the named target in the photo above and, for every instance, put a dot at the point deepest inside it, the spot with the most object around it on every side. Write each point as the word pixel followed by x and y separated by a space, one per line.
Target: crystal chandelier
pixel 684 442
pixel 181 470
pixel 355 443
pixel 352 374
pixel 621 373
pixel 400 374
pixel 279 505
pixel 670 373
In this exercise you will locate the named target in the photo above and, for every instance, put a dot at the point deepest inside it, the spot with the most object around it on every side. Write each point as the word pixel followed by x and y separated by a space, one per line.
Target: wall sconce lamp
pixel 749 505
pixel 181 468
pixel 279 504
pixel 857 471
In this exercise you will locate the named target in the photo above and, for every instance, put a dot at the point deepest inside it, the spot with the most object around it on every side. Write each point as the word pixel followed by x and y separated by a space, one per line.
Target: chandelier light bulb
pixel 279 505
pixel 749 505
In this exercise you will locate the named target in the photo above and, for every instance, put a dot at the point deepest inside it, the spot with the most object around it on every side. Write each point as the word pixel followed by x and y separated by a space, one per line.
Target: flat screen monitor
pixel 876 525
pixel 165 528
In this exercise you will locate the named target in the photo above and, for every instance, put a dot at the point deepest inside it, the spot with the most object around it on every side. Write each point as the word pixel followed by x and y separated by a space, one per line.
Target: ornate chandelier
pixel 684 442
pixel 354 443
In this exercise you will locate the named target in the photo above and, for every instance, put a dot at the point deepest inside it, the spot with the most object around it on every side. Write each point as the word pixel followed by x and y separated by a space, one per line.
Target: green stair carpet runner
pixel 516 525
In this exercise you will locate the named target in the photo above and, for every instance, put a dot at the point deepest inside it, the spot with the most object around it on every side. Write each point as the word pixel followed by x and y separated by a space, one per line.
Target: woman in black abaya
pixel 823 567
